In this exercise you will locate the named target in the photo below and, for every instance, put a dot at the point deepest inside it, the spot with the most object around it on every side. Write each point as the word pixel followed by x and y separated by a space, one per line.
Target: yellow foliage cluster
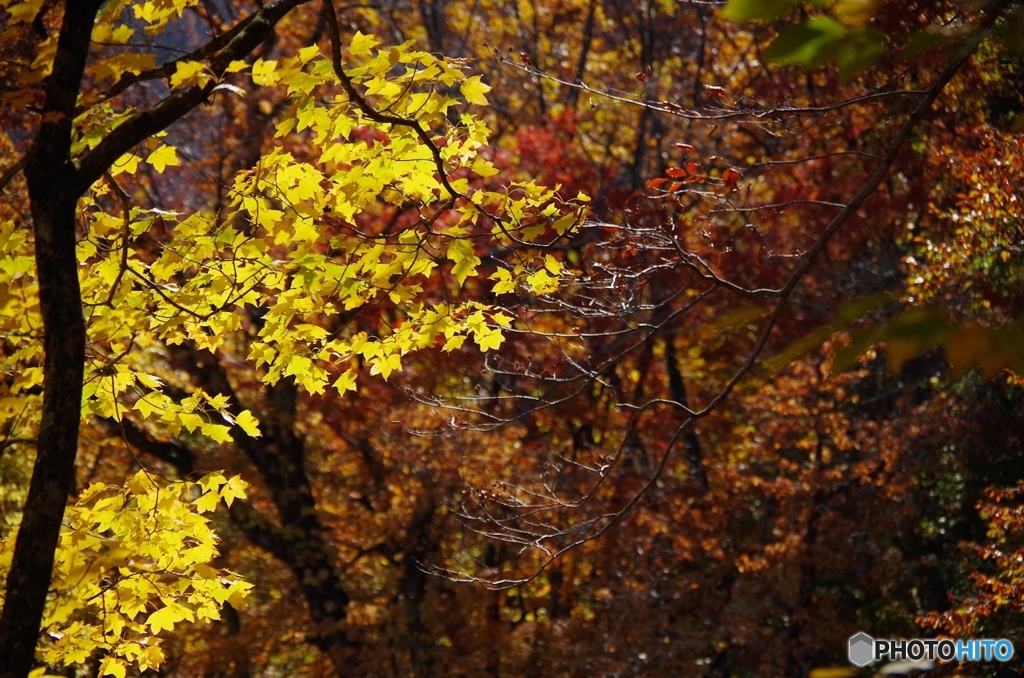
pixel 132 562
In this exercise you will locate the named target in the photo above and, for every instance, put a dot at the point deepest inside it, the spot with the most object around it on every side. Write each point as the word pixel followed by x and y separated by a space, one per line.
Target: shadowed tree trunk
pixel 55 184
pixel 53 193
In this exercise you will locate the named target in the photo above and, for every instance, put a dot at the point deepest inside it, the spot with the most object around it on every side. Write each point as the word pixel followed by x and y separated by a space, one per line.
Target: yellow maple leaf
pixel 165 617
pixel 248 423
pixel 127 163
pixel 189 73
pixel 385 365
pixel 150 657
pixel 112 666
pixel 208 502
pixel 218 432
pixel 362 44
pixel 488 338
pixel 263 72
pixel 474 89
pixel 454 342
pixel 346 382
pixel 163 157
pixel 233 489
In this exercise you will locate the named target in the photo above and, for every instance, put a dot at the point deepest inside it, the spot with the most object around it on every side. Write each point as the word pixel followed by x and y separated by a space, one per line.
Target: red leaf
pixel 730 177
pixel 656 182
pixel 676 172
pixel 687 147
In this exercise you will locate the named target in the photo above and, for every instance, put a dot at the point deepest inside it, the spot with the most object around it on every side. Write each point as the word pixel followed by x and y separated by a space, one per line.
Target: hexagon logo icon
pixel 862 649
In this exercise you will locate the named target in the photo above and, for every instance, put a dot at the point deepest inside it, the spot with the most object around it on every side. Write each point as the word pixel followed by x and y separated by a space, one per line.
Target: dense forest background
pixel 512 337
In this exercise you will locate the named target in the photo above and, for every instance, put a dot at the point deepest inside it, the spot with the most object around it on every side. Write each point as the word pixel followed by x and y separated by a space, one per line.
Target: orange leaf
pixel 656 182
pixel 676 172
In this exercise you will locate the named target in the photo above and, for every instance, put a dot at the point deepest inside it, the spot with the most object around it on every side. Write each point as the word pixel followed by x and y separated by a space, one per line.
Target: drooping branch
pixel 494 514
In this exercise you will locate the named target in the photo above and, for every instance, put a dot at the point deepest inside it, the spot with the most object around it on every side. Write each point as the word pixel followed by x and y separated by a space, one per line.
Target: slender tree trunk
pixel 53 191
pixel 573 96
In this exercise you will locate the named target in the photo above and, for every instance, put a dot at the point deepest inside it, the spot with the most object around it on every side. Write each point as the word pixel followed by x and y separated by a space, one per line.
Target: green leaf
pixel 915 331
pixel 1011 32
pixel 756 10
pixel 859 51
pixel 821 39
pixel 921 42
pixel 810 43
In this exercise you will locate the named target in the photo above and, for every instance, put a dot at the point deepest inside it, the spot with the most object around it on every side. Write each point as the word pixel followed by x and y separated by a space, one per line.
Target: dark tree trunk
pixel 55 184
pixel 52 191
pixel 279 455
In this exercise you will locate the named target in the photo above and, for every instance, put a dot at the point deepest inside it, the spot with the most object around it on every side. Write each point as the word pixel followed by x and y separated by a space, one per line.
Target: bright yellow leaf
pixel 163 157
pixel 167 616
pixel 112 666
pixel 346 382
pixel 248 423
pixel 206 503
pixel 233 489
pixel 362 44
pixel 474 89
pixel 188 73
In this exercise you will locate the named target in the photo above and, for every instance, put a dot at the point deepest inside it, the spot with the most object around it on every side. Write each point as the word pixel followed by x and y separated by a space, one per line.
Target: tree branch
pixel 176 105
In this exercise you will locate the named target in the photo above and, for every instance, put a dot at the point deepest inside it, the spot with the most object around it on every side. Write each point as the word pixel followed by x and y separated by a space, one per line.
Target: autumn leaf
pixel 473 90
pixel 361 45
pixel 488 339
pixel 163 157
pixel 346 382
pixel 208 502
pixel 188 73
pixel 248 423
pixel 166 617
pixel 233 489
